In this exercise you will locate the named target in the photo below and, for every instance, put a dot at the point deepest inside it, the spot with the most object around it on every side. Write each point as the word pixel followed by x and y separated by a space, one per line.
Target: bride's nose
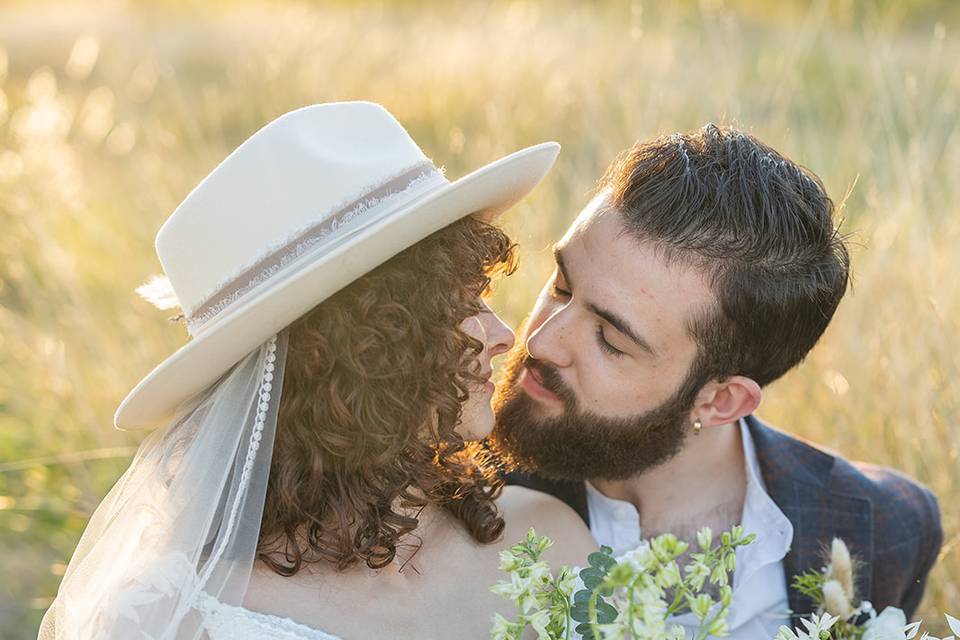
pixel 500 337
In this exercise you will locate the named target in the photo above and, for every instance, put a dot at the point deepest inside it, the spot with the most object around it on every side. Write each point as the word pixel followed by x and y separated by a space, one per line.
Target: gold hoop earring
pixel 697 426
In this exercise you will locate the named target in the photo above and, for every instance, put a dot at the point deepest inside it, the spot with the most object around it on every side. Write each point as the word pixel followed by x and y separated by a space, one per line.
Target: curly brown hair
pixel 373 386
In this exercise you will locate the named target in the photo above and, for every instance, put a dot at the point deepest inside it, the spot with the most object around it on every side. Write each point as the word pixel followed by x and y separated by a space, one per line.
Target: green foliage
pixel 589 607
pixel 630 597
pixel 810 584
pixel 543 600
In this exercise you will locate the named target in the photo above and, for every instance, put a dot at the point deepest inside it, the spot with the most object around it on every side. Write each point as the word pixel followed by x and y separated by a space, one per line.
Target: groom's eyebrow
pixel 621 325
pixel 558 258
pixel 615 321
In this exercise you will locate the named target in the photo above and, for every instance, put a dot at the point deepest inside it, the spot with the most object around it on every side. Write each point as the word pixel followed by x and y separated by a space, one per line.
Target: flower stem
pixel 592 612
pixel 675 605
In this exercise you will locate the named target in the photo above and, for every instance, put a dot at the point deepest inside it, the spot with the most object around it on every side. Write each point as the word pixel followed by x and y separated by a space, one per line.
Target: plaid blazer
pixel 890 522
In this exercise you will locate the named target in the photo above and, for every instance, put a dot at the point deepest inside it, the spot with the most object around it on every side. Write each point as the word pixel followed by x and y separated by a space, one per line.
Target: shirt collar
pixel 617 523
pixel 761 516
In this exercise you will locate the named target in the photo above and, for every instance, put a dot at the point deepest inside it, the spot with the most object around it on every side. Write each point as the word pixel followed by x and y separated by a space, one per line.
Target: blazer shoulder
pixel 889 516
pixel 903 507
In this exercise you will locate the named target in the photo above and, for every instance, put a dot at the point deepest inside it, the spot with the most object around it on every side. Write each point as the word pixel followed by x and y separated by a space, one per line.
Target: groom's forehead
pixel 588 215
pixel 619 271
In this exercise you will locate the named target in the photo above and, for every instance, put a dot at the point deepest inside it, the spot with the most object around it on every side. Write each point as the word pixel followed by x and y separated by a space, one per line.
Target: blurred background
pixel 110 112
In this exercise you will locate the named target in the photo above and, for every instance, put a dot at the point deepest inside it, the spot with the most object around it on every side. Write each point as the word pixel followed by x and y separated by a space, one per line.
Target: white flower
pixel 815 626
pixel 718 627
pixel 822 623
pixel 953 623
pixel 566 582
pixel 705 538
pixel 700 605
pixel 889 625
pixel 517 590
pixel 544 543
pixel 508 561
pixel 670 575
pixel 641 558
pixel 502 628
pixel 677 632
pixel 612 631
pixel 539 621
pixel 786 633
pixel 539 575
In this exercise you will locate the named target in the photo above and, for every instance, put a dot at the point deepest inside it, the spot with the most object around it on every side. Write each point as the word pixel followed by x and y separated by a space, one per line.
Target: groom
pixel 706 267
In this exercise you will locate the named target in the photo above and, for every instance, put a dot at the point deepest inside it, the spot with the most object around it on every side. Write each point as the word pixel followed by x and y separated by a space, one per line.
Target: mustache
pixel 551 379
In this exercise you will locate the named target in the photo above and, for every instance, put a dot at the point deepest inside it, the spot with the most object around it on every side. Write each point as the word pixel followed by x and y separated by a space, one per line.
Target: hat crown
pixel 307 205
pixel 294 173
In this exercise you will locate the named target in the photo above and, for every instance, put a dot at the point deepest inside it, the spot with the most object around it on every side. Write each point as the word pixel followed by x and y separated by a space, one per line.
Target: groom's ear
pixel 723 402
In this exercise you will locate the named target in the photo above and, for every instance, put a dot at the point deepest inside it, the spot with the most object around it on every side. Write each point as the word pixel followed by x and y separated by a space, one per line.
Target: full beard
pixel 578 444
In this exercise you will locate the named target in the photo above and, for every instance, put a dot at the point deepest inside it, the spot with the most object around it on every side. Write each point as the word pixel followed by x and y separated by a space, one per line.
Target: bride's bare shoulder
pixel 524 508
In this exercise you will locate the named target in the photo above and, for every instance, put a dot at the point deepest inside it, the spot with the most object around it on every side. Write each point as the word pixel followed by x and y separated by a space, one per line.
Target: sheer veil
pixel 183 521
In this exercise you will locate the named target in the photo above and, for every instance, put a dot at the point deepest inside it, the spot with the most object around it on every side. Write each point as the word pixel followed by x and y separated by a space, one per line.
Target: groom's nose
pixel 547 341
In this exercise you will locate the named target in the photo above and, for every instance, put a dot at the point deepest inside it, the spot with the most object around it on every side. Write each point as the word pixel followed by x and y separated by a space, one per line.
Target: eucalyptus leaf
pixel 580 612
pixel 581 597
pixel 602 561
pixel 592 577
pixel 606 613
pixel 585 631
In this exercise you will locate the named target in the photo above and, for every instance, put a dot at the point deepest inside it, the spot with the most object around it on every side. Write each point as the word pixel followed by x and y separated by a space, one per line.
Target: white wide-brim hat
pixel 309 203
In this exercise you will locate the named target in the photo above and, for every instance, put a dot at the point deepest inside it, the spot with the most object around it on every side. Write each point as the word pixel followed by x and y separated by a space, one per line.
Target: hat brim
pixel 486 192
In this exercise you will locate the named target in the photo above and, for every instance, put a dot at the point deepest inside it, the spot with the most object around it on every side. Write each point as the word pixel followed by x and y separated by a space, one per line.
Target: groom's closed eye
pixel 559 290
pixel 605 344
pixel 562 288
pixel 621 327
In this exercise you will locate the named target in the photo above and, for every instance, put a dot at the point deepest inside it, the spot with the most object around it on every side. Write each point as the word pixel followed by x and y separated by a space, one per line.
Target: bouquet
pixel 634 596
pixel 839 616
pixel 628 597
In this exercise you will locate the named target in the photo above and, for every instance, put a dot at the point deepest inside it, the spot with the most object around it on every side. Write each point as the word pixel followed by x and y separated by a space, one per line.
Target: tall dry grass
pixel 108 116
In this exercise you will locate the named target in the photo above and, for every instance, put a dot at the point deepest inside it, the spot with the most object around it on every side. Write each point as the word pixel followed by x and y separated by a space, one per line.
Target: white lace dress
pixel 227 622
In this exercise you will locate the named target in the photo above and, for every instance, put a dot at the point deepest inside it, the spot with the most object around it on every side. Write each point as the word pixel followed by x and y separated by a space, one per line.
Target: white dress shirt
pixel 759 604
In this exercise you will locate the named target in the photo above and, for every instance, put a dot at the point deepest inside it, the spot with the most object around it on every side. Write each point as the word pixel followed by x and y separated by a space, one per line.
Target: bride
pixel 313 472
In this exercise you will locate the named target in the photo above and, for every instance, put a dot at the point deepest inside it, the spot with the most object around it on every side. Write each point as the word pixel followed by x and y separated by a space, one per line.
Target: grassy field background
pixel 111 112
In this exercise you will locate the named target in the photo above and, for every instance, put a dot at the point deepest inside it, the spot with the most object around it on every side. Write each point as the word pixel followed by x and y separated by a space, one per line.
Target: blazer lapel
pixel 797 477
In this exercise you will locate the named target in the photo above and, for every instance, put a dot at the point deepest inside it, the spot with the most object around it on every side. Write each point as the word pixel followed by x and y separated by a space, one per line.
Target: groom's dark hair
pixel 761 227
